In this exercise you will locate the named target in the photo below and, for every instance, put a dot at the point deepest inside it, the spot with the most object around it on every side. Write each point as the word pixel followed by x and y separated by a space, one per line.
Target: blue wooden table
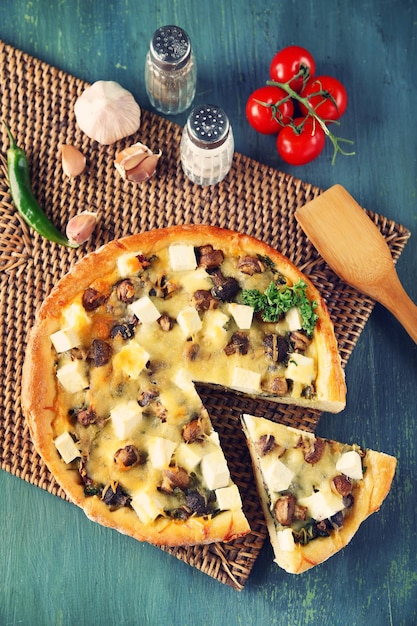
pixel 56 567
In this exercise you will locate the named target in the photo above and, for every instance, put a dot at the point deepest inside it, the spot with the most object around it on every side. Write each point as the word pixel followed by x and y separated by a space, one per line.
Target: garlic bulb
pixel 80 228
pixel 137 163
pixel 106 112
pixel 73 161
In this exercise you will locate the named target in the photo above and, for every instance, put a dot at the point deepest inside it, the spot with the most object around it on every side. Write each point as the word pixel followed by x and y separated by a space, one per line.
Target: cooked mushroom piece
pixel 126 331
pixel 193 431
pixel 284 509
pixel 276 347
pixel 85 417
pixel 146 397
pixel 161 287
pixel 166 322
pixel 210 259
pixel 314 451
pixel 174 477
pixel 265 444
pixel 299 341
pixel 203 300
pixel 225 287
pixel 191 350
pixel 196 502
pixel 250 265
pixel 125 291
pixel 128 457
pixel 342 485
pixel 279 386
pixel 114 496
pixel 238 344
pixel 100 352
pixel 92 299
pixel 160 411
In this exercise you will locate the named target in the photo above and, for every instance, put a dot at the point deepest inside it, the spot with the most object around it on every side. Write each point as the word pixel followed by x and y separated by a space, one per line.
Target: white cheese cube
pixel 131 359
pixel 300 369
pixel 126 417
pixel 184 381
pixel 66 447
pixel 145 310
pixel 72 376
pixel 228 498
pixel 322 505
pixel 65 339
pixel 242 314
pixel 160 451
pixel 182 257
pixel 188 455
pixel 76 316
pixel 215 471
pixel 286 540
pixel 195 280
pixel 277 476
pixel 128 264
pixel 294 319
pixel 146 506
pixel 245 380
pixel 189 321
pixel 350 464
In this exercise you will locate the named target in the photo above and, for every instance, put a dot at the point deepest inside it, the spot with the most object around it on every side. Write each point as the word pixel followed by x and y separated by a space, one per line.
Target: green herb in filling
pixel 276 301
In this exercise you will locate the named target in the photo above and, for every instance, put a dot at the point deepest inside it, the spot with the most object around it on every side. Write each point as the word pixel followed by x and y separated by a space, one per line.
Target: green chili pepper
pixel 23 198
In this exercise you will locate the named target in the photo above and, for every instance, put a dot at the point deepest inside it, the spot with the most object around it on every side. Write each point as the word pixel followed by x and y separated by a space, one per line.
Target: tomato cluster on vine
pixel 298 106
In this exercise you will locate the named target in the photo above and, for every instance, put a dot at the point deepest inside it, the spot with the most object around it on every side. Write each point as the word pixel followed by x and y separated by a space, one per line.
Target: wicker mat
pixel 37 101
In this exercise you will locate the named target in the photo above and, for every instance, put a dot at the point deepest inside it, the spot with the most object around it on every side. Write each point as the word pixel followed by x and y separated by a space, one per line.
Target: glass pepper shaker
pixel 207 145
pixel 170 70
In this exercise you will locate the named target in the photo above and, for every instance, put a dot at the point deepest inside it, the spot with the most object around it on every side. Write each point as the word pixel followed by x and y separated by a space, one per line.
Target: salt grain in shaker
pixel 207 145
pixel 170 70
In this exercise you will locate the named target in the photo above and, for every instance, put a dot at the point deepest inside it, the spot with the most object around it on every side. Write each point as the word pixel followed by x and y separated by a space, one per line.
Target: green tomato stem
pixel 291 94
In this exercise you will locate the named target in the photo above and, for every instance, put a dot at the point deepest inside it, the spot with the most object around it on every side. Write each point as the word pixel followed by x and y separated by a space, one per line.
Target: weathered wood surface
pixel 58 568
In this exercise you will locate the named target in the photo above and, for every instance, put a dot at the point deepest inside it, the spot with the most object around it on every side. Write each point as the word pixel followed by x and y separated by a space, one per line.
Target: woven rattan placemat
pixel 37 102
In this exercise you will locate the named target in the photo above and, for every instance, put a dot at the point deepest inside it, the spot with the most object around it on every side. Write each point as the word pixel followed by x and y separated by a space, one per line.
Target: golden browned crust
pixel 39 392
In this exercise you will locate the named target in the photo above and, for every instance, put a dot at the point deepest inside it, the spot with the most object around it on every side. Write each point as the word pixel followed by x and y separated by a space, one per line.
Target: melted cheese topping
pixel 146 360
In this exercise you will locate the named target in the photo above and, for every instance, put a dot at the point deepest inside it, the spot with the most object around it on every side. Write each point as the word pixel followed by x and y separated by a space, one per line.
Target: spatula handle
pixel 397 301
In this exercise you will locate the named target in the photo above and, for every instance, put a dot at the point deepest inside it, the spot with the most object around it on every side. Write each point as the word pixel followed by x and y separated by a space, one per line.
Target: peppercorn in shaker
pixel 170 70
pixel 207 145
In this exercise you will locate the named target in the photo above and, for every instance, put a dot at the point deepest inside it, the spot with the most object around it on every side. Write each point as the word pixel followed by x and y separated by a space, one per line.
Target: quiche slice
pixel 108 380
pixel 315 492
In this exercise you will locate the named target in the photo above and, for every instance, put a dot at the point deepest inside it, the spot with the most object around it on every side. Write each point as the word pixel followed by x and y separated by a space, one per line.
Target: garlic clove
pixel 133 160
pixel 137 162
pixel 106 112
pixel 73 161
pixel 81 227
pixel 143 171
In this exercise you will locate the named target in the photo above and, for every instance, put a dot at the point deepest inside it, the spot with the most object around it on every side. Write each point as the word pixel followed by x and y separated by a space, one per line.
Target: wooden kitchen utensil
pixel 355 249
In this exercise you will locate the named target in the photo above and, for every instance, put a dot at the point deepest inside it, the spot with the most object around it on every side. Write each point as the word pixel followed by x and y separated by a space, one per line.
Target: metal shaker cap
pixel 208 126
pixel 170 47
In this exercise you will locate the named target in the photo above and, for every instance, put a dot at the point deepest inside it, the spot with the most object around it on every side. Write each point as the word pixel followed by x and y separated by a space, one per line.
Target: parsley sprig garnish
pixel 277 300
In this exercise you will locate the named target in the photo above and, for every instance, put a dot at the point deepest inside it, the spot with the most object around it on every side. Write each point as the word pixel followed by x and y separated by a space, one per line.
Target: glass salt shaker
pixel 170 70
pixel 207 145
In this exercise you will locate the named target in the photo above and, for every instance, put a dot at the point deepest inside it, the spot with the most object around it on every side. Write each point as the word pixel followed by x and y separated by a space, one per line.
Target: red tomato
pixel 261 117
pixel 331 103
pixel 303 144
pixel 286 64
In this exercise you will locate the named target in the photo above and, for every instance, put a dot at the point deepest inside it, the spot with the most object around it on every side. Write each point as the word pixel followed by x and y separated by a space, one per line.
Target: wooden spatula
pixel 355 249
